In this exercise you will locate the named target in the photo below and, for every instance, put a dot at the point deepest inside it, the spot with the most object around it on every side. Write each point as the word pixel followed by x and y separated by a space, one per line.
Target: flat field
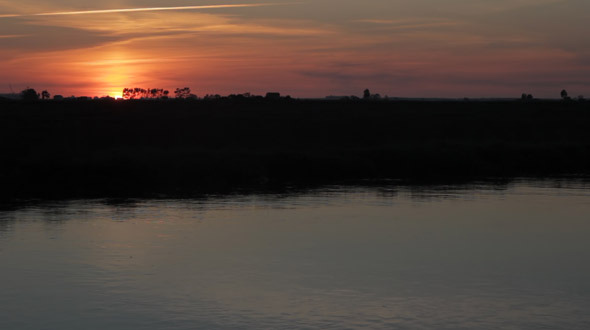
pixel 60 149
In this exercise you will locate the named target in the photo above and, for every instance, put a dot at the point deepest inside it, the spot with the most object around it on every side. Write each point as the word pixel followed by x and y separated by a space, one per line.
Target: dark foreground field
pixel 146 148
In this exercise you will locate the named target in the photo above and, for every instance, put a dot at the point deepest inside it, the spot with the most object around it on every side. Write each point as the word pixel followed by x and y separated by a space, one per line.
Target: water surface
pixel 478 257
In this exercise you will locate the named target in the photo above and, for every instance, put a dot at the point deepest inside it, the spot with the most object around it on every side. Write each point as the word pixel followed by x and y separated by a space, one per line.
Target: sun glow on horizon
pixel 111 89
pixel 112 71
pixel 404 49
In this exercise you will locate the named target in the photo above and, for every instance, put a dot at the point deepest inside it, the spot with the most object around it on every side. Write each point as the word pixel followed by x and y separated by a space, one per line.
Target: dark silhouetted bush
pixel 564 95
pixel 29 94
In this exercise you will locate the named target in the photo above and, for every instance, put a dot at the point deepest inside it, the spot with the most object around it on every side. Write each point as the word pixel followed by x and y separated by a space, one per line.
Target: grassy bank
pixel 142 148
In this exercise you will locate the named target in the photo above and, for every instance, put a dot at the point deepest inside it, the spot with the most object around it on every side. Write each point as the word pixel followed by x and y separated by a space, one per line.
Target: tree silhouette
pixel 142 93
pixel 29 94
pixel 133 93
pixel 564 94
pixel 139 92
pixel 366 94
pixel 183 93
pixel 158 93
pixel 45 95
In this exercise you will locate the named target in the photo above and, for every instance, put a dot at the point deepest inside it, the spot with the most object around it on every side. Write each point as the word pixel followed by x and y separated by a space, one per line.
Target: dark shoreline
pixel 103 149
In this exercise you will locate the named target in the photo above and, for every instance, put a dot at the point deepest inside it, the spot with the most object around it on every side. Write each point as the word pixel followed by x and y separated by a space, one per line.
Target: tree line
pixel 156 93
pixel 136 93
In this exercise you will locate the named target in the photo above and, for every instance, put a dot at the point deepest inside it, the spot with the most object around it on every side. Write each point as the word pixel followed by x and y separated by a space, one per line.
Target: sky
pixel 303 48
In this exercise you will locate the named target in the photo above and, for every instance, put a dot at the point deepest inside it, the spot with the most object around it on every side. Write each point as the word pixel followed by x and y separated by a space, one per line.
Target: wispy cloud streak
pixel 143 9
pixel 6 36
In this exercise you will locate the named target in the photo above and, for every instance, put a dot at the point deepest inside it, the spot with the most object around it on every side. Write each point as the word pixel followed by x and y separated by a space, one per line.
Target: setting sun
pixel 421 49
pixel 115 92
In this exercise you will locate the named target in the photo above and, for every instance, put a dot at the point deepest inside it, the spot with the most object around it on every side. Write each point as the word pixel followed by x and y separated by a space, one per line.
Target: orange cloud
pixel 303 54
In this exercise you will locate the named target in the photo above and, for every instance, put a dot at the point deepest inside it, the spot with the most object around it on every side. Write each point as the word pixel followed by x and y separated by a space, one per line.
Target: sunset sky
pixel 305 48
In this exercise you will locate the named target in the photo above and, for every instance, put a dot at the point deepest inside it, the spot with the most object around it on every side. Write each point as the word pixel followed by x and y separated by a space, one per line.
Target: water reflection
pixel 500 256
